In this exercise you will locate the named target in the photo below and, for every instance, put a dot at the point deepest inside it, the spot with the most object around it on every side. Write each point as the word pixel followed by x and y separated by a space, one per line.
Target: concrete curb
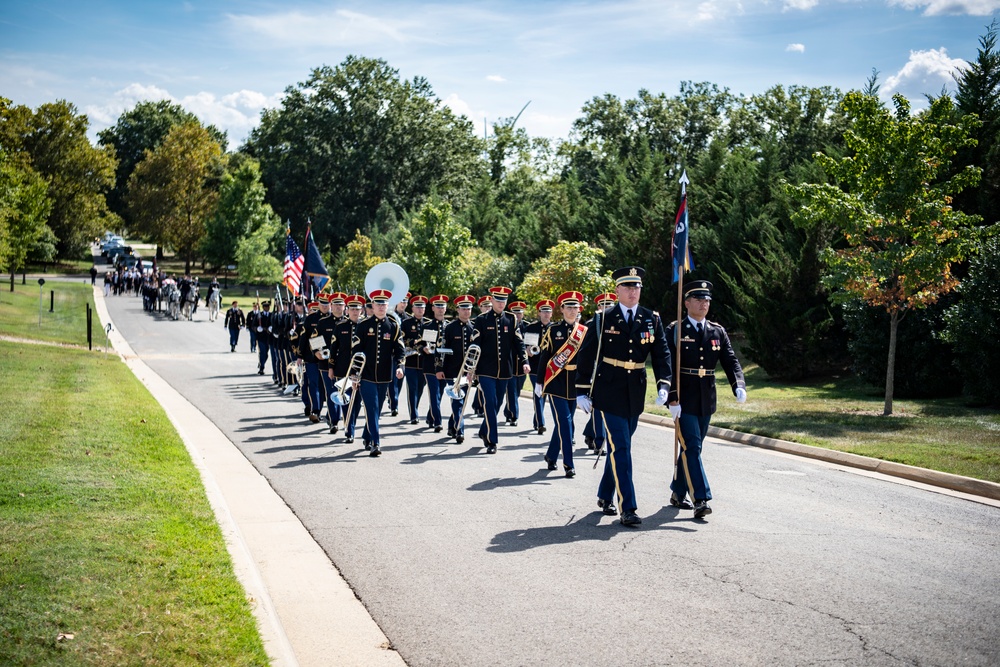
pixel 306 613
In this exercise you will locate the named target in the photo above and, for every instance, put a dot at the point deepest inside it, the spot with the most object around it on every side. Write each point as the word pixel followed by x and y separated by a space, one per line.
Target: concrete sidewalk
pixel 306 612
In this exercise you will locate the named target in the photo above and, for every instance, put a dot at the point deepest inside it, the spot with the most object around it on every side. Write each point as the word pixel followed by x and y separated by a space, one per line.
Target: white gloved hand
pixel 741 395
pixel 661 397
pixel 583 402
pixel 538 390
pixel 675 411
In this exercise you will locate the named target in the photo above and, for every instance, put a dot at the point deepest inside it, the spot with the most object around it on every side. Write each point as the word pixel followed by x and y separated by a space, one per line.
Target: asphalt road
pixel 468 559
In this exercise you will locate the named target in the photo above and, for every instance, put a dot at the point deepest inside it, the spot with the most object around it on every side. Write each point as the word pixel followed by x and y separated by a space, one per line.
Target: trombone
pixel 353 374
pixel 469 363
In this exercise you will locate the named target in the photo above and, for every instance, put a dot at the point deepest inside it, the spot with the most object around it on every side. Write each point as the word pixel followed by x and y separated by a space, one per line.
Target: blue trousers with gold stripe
pixel 435 390
pixel 493 391
pixel 617 478
pixel 595 429
pixel 690 471
pixel 415 384
pixel 373 395
pixel 562 434
pixel 538 418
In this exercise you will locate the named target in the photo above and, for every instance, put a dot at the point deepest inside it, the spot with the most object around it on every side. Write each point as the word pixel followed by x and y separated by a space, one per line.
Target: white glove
pixel 538 390
pixel 583 402
pixel 741 395
pixel 661 396
pixel 675 411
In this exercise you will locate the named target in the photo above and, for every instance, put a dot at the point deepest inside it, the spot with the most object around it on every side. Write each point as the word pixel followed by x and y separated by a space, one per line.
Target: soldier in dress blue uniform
pixel 379 338
pixel 511 408
pixel 502 349
pixel 458 338
pixel 593 432
pixel 263 336
pixel 703 346
pixel 345 333
pixel 536 331
pixel 399 314
pixel 312 393
pixel 413 373
pixel 432 360
pixel 615 357
pixel 478 405
pixel 556 377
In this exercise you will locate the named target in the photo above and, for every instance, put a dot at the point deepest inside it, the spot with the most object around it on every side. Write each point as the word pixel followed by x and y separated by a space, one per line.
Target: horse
pixel 173 301
pixel 213 304
pixel 190 299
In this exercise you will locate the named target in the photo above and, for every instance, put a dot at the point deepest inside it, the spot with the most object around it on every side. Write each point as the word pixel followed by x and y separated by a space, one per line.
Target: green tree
pixel 352 264
pixel 241 211
pixel 140 129
pixel 893 208
pixel 566 266
pixel 24 207
pixel 483 270
pixel 174 191
pixel 53 140
pixel 254 253
pixel 351 139
pixel 974 323
pixel 430 250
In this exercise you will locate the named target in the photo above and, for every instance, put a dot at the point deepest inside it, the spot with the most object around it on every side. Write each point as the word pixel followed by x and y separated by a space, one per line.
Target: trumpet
pixel 357 365
pixel 469 363
pixel 533 350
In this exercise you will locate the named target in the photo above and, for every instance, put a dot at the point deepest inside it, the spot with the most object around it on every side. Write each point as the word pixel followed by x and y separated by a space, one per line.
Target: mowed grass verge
pixel 106 535
pixel 845 414
pixel 67 323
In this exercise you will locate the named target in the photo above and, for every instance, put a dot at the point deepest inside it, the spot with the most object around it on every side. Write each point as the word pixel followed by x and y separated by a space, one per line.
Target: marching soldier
pixel 615 357
pixel 511 410
pixel 379 338
pixel 478 402
pixel 414 375
pixel 458 337
pixel 325 330
pixel 593 432
pixel 502 349
pixel 263 330
pixel 704 345
pixel 307 340
pixel 557 377
pixel 399 314
pixel 534 333
pixel 234 322
pixel 253 318
pixel 432 358
pixel 346 334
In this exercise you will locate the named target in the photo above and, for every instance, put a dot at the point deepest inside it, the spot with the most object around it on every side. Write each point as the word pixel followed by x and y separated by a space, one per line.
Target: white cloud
pixel 235 113
pixel 496 78
pixel 925 72
pixel 796 48
pixel 799 4
pixel 340 28
pixel 461 108
pixel 950 7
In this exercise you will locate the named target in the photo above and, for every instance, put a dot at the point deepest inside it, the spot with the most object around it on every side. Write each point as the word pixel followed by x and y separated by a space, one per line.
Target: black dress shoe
pixel 570 472
pixel 513 422
pixel 551 462
pixel 260 372
pixel 438 428
pixel 451 432
pixel 306 412
pixel 608 507
pixel 395 412
pixel 313 417
pixel 590 442
pixel 630 519
pixel 491 449
pixel 368 445
pixel 460 438
pixel 541 430
pixel 349 439
pixel 333 429
pixel 414 421
pixel 682 503
pixel 701 509
pixel 376 451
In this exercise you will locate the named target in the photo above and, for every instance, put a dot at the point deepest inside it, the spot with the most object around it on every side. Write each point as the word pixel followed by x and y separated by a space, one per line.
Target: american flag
pixel 294 261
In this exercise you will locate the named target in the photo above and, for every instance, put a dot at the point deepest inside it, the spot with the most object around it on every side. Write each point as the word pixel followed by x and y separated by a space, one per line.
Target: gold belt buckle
pixel 701 372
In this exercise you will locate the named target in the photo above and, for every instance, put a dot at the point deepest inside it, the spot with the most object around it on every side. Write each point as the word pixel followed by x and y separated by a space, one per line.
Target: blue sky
pixel 227 60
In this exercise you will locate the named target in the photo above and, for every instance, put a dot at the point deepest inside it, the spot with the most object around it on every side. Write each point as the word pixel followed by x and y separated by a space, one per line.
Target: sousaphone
pixel 388 276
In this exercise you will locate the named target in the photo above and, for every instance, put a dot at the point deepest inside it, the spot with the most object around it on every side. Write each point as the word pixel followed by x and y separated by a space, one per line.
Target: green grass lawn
pixel 105 530
pixel 845 414
pixel 19 312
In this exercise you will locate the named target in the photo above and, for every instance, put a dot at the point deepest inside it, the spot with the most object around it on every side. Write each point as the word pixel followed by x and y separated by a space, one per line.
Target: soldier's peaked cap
pixel 629 275
pixel 500 293
pixel 699 289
